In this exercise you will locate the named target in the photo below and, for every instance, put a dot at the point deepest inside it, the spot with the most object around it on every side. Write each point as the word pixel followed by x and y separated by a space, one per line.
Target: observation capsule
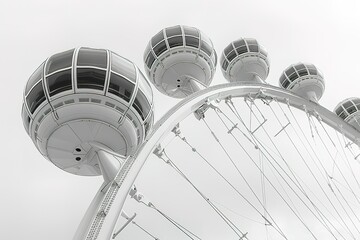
pixel 304 80
pixel 349 111
pixel 180 60
pixel 84 96
pixel 245 60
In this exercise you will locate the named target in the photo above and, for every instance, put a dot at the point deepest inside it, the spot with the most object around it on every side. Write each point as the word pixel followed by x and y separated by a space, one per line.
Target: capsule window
pixel 148 124
pixel 34 78
pixel 343 115
pixel 141 105
pixel 299 66
pixel 228 49
pixel 121 87
pixel 293 77
pixel 144 85
pixel 191 31
pixel 351 109
pixel 253 48
pixel 173 31
pixel 289 71
pixel 157 38
pixel 59 61
pixel 312 71
pixel 160 48
pixel 92 57
pixel 338 110
pixel 122 66
pixel 150 60
pixel 263 52
pixel 251 41
pixel 225 64
pixel 347 104
pixel 356 101
pixel 91 78
pixel 35 97
pixel 206 48
pixel 192 41
pixel 239 43
pixel 302 72
pixel 282 78
pixel 59 82
pixel 231 55
pixel 242 50
pixel 26 118
pixel 175 41
pixel 285 84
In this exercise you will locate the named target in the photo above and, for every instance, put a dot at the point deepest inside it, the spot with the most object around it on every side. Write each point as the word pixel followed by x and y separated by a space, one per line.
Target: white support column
pixel 110 166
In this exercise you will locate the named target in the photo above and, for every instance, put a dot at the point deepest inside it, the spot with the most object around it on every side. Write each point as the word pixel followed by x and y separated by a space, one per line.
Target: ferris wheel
pixel 241 160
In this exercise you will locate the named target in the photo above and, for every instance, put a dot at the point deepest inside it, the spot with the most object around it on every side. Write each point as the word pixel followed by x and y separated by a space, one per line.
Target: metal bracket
pixel 200 112
pixel 129 220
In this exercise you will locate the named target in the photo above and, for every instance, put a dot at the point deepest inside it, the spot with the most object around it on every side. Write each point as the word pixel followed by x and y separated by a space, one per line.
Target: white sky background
pixel 39 201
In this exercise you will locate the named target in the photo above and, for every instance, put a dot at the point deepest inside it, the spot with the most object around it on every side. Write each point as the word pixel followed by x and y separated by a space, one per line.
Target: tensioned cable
pixel 235 112
pixel 347 160
pixel 327 175
pixel 291 208
pixel 230 184
pixel 307 196
pixel 186 231
pixel 302 157
pixel 237 169
pixel 218 211
pixel 341 173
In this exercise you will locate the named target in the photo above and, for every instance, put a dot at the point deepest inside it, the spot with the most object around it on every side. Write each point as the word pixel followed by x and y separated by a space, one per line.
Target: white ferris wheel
pixel 240 160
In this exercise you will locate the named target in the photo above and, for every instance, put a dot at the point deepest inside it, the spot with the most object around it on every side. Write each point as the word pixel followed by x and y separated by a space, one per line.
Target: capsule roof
pixel 178 36
pixel 296 71
pixel 347 108
pixel 242 47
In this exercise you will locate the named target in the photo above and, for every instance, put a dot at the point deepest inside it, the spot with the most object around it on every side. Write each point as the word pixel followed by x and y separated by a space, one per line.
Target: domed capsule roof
pixel 242 57
pixel 303 79
pixel 180 60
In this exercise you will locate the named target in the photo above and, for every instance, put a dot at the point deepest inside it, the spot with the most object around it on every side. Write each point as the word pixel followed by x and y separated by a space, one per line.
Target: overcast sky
pixel 39 201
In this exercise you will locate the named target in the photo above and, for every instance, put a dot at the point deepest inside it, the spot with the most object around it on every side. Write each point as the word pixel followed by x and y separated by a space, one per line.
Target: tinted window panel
pixel 225 64
pixel 348 104
pixel 122 66
pixel 251 42
pixel 312 71
pixel 191 31
pixel 160 48
pixel 157 38
pixel 149 123
pixel 121 87
pixel 351 109
pixel 144 85
pixel 285 84
pixel 150 60
pixel 253 48
pixel 231 56
pixel 90 78
pixel 302 72
pixel 59 61
pixel 192 42
pixel 92 57
pixel 59 82
pixel 299 66
pixel 242 50
pixel 173 31
pixel 289 71
pixel 206 48
pixel 293 77
pixel 239 43
pixel 228 49
pixel 282 78
pixel 175 41
pixel 35 97
pixel 34 78
pixel 141 105
pixel 26 118
pixel 338 111
pixel 263 52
